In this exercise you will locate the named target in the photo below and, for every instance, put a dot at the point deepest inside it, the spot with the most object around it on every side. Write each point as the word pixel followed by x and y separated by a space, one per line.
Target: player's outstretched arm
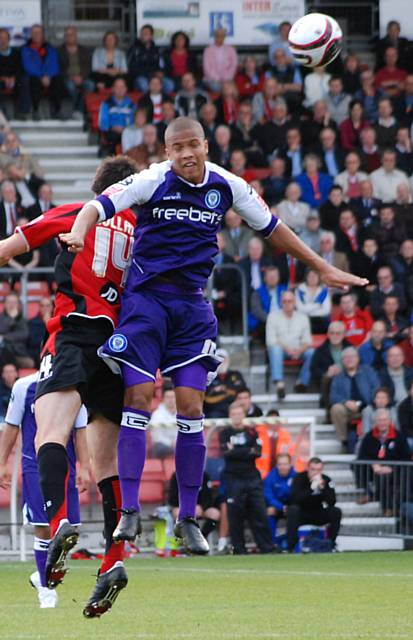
pixel 87 217
pixel 11 247
pixel 283 238
pixel 7 442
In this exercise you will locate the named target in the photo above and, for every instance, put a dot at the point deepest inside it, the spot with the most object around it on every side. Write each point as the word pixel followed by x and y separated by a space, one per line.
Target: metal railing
pixel 244 296
pixel 376 497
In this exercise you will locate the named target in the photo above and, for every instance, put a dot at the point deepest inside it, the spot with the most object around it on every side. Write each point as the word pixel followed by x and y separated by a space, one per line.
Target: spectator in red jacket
pixel 248 79
pixel 351 128
pixel 228 104
pixel 358 322
pixel 391 78
pixel 407 347
pixel 383 443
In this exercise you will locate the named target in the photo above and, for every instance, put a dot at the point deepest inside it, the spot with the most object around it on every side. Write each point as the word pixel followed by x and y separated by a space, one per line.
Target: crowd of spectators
pixel 329 150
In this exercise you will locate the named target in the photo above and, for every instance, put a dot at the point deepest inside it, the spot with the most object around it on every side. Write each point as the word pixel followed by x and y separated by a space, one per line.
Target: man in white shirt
pixel 386 179
pixel 163 423
pixel 316 86
pixel 288 336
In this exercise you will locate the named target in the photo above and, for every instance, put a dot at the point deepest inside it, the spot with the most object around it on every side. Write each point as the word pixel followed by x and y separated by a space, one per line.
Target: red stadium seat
pixel 152 488
pixel 168 467
pixel 153 470
pixel 256 174
pixel 35 290
pixel 151 492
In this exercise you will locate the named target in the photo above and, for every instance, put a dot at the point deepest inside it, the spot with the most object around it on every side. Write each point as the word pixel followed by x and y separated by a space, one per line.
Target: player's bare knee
pixel 189 404
pixel 139 397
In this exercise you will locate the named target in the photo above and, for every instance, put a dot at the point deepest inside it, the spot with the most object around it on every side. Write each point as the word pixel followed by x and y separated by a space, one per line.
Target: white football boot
pixel 47 597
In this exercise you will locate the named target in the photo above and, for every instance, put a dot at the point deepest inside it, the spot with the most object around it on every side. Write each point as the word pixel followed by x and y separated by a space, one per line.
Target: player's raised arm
pixel 86 219
pixel 133 190
pixel 256 213
pixel 11 247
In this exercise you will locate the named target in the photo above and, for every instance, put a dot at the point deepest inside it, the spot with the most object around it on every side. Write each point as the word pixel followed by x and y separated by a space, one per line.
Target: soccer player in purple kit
pixel 20 417
pixel 165 321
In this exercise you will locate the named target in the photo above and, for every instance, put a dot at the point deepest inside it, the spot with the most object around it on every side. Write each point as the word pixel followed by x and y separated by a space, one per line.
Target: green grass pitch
pixel 319 597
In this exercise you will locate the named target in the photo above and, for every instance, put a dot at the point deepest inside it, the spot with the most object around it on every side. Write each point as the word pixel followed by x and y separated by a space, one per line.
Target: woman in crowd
pixel 351 128
pixel 315 185
pixel 179 59
pixel 108 61
pixel 313 299
pixel 248 79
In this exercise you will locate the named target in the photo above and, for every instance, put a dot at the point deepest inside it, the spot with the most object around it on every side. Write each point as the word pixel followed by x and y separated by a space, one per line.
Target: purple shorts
pixel 34 511
pixel 161 327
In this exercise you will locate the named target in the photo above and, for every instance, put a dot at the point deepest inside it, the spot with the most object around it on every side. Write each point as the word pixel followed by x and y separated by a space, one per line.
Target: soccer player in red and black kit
pixel 87 306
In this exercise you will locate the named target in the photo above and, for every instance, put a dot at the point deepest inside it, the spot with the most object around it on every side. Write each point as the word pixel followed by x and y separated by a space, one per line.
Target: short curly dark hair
pixel 112 170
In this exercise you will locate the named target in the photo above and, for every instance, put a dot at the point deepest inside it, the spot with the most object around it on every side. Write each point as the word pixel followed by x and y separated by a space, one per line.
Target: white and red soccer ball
pixel 315 40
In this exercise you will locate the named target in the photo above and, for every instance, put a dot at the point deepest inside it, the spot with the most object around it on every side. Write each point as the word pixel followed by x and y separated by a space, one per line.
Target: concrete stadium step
pixel 325 431
pixel 340 476
pixel 66 176
pixel 345 458
pixel 369 543
pixel 46 138
pixel 360 510
pixel 300 401
pixel 72 164
pixel 68 150
pixel 318 414
pixel 326 446
pixel 347 492
pixel 369 525
pixel 58 125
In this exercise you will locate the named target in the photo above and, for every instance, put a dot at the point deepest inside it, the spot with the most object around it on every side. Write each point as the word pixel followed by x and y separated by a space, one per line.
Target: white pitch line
pixel 262 636
pixel 276 572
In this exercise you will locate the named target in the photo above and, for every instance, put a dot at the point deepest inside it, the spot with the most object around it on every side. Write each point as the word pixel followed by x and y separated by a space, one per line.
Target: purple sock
pixel 40 554
pixel 131 455
pixel 189 460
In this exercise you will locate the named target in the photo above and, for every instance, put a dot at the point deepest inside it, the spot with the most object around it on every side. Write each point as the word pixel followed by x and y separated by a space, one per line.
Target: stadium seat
pixel 257 174
pixel 35 290
pixel 168 467
pixel 151 492
pixel 153 470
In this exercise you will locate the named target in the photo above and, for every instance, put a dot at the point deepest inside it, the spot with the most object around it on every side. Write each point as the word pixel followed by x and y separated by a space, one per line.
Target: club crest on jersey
pixel 118 342
pixel 212 198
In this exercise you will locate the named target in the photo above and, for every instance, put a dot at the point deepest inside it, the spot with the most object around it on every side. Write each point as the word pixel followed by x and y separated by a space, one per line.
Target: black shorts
pixel 69 359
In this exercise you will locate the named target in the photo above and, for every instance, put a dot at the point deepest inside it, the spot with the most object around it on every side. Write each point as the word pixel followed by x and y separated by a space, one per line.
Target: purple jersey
pixel 178 221
pixel 20 413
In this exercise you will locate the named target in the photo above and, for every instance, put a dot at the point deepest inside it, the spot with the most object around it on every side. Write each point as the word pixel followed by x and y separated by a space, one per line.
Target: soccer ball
pixel 315 40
